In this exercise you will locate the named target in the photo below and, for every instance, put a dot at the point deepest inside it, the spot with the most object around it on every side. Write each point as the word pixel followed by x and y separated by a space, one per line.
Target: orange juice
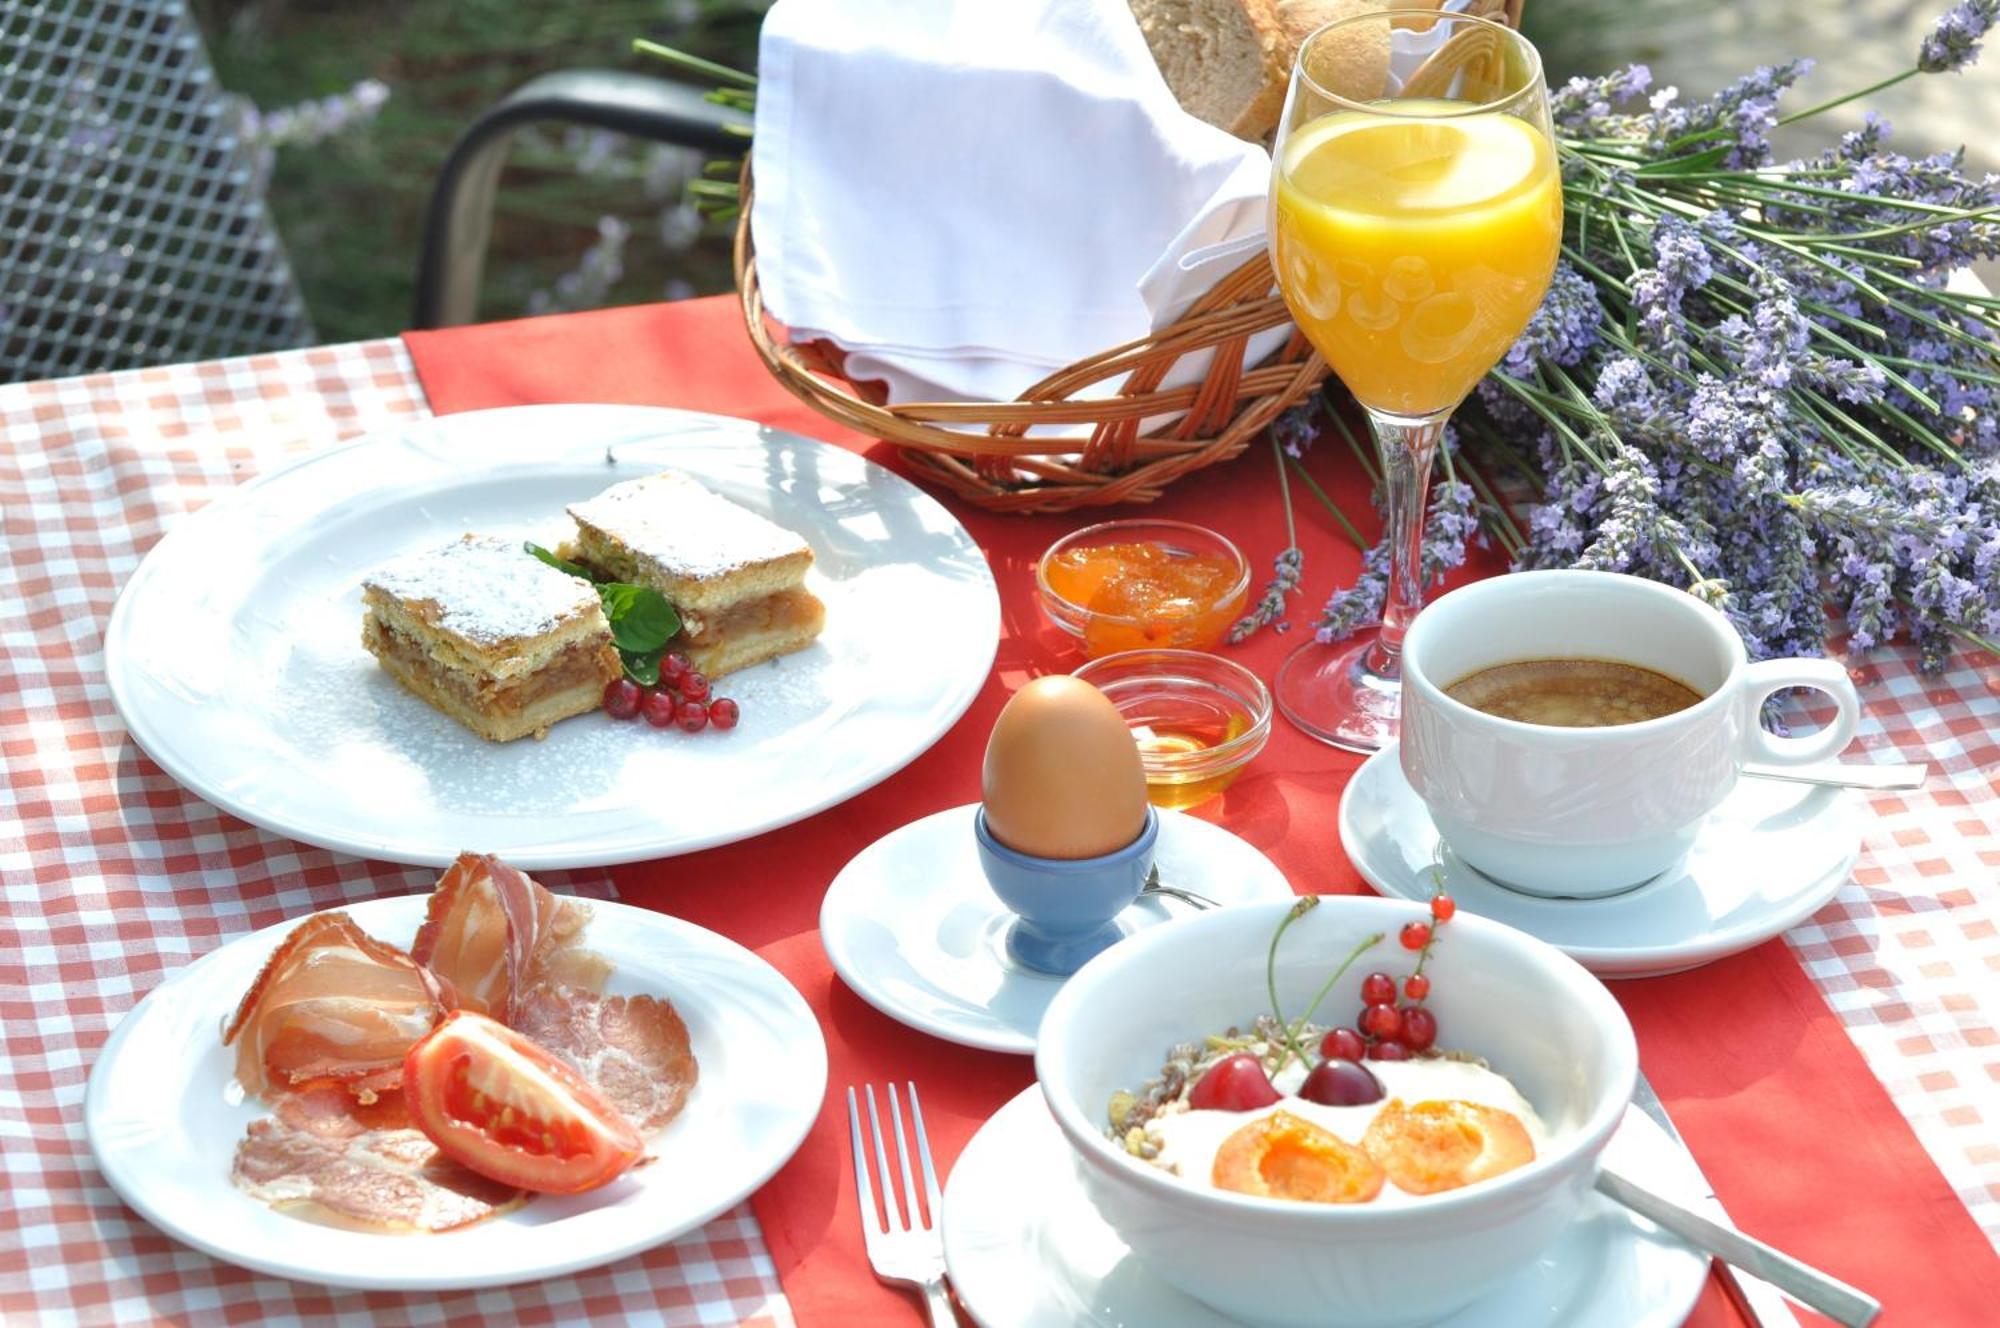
pixel 1412 251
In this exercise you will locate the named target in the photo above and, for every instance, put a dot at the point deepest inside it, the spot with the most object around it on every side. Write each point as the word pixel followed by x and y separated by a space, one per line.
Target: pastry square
pixel 736 579
pixel 500 641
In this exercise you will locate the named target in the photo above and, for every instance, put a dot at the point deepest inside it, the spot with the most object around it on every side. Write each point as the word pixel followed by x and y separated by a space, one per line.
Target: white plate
pixel 234 654
pixel 911 925
pixel 1026 1249
pixel 1764 862
pixel 162 1127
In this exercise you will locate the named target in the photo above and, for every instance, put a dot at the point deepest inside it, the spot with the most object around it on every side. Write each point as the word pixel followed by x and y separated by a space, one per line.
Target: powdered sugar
pixel 487 590
pixel 671 519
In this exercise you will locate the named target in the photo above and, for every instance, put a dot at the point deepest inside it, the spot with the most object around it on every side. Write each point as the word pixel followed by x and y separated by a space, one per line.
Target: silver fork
pixel 905 1248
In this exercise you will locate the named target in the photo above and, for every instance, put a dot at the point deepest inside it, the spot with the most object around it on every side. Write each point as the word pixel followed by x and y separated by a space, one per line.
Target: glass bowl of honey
pixel 1198 718
pixel 1141 585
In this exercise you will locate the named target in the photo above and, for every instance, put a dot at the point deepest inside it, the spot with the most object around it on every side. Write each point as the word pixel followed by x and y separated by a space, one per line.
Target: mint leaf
pixel 641 619
pixel 560 564
pixel 642 666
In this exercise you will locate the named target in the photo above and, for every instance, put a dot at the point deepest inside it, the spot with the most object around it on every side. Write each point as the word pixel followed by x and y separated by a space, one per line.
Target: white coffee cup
pixel 1584 812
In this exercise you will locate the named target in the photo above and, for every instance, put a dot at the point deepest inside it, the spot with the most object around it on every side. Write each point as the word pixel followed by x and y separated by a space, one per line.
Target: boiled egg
pixel 1063 777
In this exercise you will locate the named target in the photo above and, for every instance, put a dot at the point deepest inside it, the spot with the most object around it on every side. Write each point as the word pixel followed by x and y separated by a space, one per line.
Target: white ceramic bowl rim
pixel 1414 675
pixel 1590 1136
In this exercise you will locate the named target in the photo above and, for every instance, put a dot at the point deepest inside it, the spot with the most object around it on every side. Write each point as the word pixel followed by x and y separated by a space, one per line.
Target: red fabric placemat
pixel 1802 1143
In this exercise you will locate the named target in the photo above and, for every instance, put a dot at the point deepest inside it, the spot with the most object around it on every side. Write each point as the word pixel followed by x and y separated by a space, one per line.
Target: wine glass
pixel 1416 212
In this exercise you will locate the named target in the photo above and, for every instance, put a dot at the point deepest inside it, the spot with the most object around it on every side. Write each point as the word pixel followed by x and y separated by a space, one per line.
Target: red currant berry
pixel 621 698
pixel 693 685
pixel 1416 986
pixel 658 707
pixel 1381 1021
pixel 1234 1083
pixel 1378 989
pixel 1342 1044
pixel 723 713
pixel 674 667
pixel 1420 1028
pixel 1415 935
pixel 691 715
pixel 1388 1051
pixel 1442 907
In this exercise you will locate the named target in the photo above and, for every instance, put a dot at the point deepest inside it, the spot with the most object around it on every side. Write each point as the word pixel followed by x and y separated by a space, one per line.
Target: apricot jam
pixel 1144 595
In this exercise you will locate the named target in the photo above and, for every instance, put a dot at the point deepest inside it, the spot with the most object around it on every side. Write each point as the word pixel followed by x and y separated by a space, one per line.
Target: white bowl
pixel 1535 1014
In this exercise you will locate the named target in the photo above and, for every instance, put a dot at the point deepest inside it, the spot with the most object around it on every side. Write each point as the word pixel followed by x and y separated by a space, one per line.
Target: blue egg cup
pixel 1064 906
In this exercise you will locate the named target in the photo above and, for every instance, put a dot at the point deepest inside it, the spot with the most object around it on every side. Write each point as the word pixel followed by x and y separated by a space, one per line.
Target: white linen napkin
pixel 968 194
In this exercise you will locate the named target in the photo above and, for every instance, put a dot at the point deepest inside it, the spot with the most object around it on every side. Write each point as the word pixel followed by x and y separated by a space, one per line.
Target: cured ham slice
pixel 327 1158
pixel 492 932
pixel 633 1049
pixel 332 1002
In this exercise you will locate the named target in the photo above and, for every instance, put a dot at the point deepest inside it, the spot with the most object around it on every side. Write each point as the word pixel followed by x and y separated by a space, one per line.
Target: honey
pixel 1176 783
pixel 1144 595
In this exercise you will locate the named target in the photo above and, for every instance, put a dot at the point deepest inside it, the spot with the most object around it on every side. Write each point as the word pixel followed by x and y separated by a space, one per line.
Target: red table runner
pixel 1801 1142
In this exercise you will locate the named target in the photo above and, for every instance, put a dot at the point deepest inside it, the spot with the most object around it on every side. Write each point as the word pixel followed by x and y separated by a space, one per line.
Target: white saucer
pixel 1025 1248
pixel 911 925
pixel 1765 861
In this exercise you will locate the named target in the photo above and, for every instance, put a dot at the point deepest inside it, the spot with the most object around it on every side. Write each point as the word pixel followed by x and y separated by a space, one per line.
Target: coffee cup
pixel 1593 810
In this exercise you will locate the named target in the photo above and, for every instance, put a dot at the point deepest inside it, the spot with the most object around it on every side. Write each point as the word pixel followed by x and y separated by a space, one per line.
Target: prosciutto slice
pixel 327 1158
pixel 332 1002
pixel 634 1049
pixel 492 933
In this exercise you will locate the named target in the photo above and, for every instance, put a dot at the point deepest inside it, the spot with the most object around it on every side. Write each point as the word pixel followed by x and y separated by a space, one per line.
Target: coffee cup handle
pixel 1762 679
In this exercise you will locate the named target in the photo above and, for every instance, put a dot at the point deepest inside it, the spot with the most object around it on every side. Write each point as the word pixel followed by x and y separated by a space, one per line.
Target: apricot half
pixel 1436 1146
pixel 1282 1156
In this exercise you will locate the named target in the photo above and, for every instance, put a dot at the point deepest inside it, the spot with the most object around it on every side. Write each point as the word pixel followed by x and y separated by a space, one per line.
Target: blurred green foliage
pixel 351 209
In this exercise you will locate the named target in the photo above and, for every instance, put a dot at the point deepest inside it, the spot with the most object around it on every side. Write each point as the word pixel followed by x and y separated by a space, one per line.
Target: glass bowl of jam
pixel 1198 718
pixel 1140 585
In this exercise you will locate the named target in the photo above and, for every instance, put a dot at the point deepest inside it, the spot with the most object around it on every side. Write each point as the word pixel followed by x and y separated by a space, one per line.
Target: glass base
pixel 1331 694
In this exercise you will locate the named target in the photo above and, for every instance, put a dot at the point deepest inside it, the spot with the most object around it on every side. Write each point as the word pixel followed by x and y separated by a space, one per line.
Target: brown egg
pixel 1063 778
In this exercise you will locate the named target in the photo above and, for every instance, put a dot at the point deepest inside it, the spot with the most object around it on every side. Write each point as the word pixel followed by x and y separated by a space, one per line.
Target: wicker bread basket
pixel 981 451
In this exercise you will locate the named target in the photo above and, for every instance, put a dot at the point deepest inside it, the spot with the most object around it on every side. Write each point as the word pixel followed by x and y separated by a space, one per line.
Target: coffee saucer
pixel 1766 860
pixel 1025 1248
pixel 912 927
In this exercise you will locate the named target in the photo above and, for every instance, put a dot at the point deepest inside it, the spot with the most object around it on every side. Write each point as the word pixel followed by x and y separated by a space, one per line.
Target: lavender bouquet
pixel 1748 379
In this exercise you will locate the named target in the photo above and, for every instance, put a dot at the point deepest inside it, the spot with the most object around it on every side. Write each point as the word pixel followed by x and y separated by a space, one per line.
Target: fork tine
pixel 924 1155
pixel 911 1212
pixel 889 1215
pixel 870 1224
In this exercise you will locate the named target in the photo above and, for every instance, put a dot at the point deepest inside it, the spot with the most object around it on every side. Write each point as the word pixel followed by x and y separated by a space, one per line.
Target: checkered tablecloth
pixel 114 877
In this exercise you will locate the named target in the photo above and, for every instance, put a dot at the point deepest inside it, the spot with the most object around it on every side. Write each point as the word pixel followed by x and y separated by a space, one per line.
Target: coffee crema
pixel 1573 693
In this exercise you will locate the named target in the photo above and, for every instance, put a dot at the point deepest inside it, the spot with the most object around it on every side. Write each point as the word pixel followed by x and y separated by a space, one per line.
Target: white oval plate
pixel 234 654
pixel 1764 862
pixel 911 925
pixel 160 1122
pixel 1025 1248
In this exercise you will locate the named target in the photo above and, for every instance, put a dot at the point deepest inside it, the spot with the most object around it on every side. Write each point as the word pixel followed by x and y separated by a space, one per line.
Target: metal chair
pixel 459 221
pixel 133 229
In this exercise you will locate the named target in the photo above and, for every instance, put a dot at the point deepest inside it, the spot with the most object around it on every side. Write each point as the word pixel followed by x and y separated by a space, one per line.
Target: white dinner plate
pixel 160 1119
pixel 1764 861
pixel 1025 1248
pixel 911 925
pixel 234 654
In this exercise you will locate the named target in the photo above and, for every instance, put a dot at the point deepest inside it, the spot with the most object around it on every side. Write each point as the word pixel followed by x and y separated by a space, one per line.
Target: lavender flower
pixel 1953 43
pixel 1271 604
pixel 1563 329
pixel 1359 605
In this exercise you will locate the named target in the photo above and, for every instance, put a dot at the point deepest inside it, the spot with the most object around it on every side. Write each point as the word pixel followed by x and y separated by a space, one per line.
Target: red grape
pixel 1341 1083
pixel 1381 1021
pixel 1342 1044
pixel 1420 1028
pixel 621 698
pixel 1234 1083
pixel 1388 1050
pixel 1378 989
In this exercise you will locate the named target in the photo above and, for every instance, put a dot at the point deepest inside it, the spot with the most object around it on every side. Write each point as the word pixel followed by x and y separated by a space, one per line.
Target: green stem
pixel 1327 501
pixel 1848 97
pixel 1361 948
pixel 694 63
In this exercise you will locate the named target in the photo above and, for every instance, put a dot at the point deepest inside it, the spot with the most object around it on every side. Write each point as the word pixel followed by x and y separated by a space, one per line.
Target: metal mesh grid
pixel 132 226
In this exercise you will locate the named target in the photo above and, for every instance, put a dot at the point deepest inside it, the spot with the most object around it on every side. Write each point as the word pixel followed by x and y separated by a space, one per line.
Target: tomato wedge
pixel 496 1102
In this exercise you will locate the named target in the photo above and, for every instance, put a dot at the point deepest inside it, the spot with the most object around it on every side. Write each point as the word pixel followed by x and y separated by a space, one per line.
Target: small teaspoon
pixel 1875 778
